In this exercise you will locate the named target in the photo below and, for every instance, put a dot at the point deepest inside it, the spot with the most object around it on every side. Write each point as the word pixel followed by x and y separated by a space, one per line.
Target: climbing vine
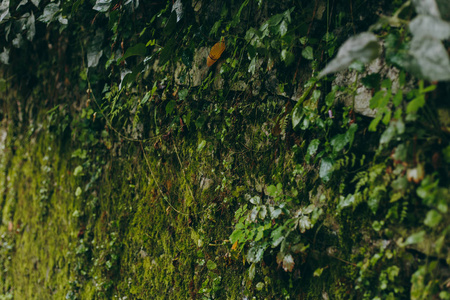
pixel 223 149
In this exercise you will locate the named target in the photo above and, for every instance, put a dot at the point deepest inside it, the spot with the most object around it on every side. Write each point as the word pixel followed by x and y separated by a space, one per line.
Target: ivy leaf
pixel 49 13
pixel 94 51
pixel 170 106
pixel 430 26
pixel 136 50
pixel 363 47
pixel 288 263
pixel 308 53
pixel 427 7
pixel 102 5
pixel 36 2
pixel 297 115
pixel 167 52
pixel 312 148
pixel 283 28
pixel 429 59
pixel 326 168
pixel 4 9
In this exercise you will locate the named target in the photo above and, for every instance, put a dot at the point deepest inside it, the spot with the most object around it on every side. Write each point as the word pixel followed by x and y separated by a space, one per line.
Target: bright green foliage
pixel 128 169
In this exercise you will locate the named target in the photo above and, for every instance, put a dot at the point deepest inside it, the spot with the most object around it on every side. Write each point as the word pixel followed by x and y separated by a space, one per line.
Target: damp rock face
pixel 364 94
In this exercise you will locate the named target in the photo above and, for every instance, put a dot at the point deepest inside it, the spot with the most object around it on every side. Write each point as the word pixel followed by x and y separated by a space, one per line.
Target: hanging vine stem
pixel 157 184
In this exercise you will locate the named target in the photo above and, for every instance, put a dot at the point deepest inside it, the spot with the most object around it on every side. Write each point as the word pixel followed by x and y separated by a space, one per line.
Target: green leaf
pixel 318 272
pixel 308 53
pixel 252 271
pixel 433 218
pixel 200 121
pixel 363 47
pixel 387 135
pixel 170 106
pixel 94 50
pixel 372 81
pixel 183 94
pixel 415 104
pixel 283 28
pixel 272 190
pixel 297 115
pixel 136 50
pixel 312 148
pixel 329 98
pixel 211 265
pixel 424 25
pixel 78 171
pixel 167 52
pixel 415 238
pixel 326 168
pixel 102 5
pixel 201 145
pixel 78 192
pixel 304 223
pixel 237 235
pixel 187 57
pixel 49 12
pixel 429 59
pixel 338 142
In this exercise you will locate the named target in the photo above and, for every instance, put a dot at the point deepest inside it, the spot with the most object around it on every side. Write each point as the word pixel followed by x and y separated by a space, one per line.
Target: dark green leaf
pixel 283 28
pixel 170 106
pixel 171 24
pixel 167 52
pixel 313 146
pixel 49 13
pixel 139 50
pixel 326 168
pixel 372 81
pixel 94 50
pixel 297 115
pixel 308 53
pixel 187 57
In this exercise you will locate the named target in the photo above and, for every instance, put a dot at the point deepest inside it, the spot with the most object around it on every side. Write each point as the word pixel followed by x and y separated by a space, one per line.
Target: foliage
pixel 146 173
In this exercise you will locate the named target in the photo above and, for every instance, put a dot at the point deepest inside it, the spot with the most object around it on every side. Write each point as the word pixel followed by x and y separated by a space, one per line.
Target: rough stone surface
pixel 363 95
pixel 196 74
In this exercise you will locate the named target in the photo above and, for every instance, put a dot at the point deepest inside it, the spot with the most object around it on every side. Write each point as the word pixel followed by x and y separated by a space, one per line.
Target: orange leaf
pixel 216 52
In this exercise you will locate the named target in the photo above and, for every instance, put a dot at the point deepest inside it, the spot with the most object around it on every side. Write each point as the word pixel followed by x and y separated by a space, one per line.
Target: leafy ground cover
pixel 131 170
